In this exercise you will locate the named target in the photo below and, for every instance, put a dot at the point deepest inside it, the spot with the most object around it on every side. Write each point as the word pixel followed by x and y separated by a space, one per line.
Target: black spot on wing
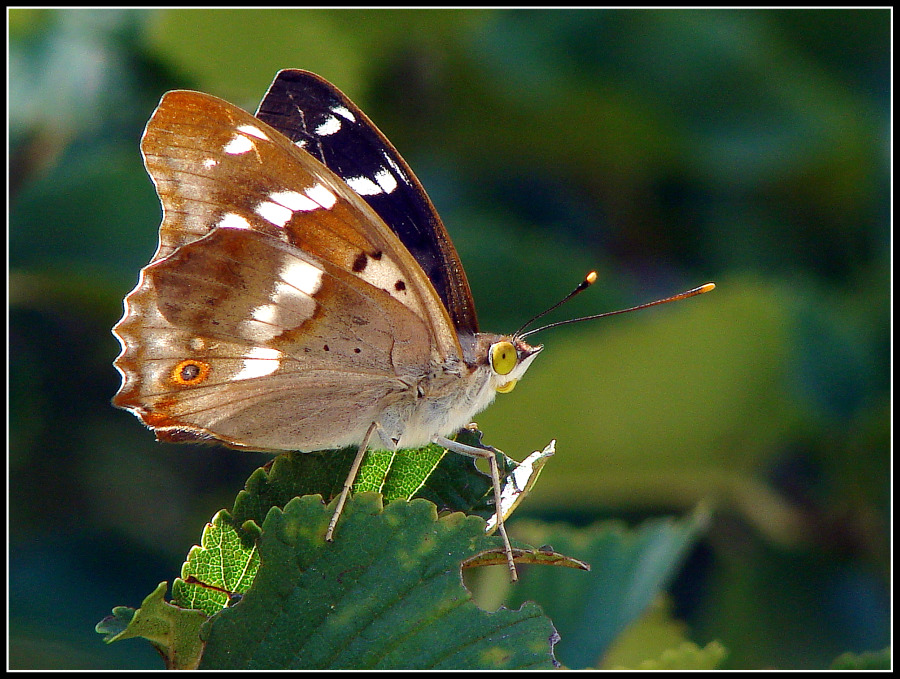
pixel 359 264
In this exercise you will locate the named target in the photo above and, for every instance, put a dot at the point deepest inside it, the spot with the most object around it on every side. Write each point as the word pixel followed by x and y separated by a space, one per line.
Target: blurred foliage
pixel 662 148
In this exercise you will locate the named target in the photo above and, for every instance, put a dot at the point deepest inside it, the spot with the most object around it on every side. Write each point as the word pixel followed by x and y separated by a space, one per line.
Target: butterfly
pixel 305 294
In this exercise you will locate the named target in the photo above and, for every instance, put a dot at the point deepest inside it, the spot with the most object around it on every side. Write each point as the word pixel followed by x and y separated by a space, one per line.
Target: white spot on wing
pixel 291 303
pixel 238 144
pixel 209 163
pixel 386 180
pixel 363 186
pixel 253 131
pixel 299 302
pixel 344 112
pixel 233 221
pixel 301 275
pixel 294 200
pixel 331 125
pixel 259 362
pixel 322 195
pixel 259 329
pixel 276 214
pixel 265 313
pixel 393 164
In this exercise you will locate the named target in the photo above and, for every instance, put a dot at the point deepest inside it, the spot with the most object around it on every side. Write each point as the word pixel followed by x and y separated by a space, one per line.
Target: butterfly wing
pixel 279 311
pixel 319 118
pixel 240 337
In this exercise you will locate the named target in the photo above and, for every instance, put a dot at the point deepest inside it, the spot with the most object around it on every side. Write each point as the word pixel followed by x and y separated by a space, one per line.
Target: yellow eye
pixel 503 357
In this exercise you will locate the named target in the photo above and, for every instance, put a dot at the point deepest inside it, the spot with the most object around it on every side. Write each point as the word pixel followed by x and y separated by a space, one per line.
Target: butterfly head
pixel 508 358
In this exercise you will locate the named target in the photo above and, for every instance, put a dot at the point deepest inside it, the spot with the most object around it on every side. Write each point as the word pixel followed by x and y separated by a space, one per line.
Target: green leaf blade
pixel 387 593
pixel 173 631
pixel 223 564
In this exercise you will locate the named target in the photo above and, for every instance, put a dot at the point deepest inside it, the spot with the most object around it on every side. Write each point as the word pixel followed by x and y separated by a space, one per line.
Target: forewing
pixel 319 118
pixel 216 166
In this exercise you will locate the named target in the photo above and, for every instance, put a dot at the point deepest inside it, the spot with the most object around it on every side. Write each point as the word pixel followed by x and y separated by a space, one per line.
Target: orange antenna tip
pixel 706 288
pixel 591 278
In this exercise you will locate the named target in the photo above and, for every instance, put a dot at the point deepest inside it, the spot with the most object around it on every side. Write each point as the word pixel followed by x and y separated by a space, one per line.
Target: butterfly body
pixel 449 396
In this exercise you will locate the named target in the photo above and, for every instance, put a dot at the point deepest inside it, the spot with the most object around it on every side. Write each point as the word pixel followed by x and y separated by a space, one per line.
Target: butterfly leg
pixel 348 484
pixel 488 455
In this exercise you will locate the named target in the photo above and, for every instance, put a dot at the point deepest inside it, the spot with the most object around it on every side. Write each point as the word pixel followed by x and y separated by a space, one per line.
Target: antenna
pixel 588 280
pixel 584 285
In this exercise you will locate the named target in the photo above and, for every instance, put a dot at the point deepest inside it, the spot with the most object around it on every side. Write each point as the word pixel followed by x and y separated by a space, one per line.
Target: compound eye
pixel 503 357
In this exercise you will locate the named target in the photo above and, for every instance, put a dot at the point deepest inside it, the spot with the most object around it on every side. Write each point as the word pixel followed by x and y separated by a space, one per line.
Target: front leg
pixel 488 454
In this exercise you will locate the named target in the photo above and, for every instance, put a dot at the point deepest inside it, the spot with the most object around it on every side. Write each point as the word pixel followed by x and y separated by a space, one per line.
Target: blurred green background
pixel 661 148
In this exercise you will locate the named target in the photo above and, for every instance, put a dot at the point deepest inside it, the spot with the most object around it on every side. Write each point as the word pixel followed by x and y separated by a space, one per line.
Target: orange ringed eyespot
pixel 190 372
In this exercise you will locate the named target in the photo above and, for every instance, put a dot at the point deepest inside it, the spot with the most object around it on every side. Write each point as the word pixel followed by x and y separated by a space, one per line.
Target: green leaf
pixel 386 593
pixel 228 559
pixel 647 637
pixel 400 474
pixel 686 656
pixel 456 484
pixel 543 557
pixel 873 660
pixel 629 567
pixel 656 641
pixel 451 481
pixel 221 566
pixel 173 631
